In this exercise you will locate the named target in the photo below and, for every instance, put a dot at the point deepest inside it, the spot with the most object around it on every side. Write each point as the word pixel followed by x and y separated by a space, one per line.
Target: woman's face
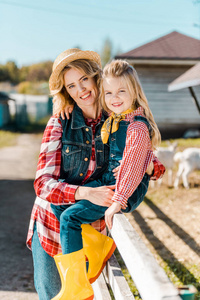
pixel 81 87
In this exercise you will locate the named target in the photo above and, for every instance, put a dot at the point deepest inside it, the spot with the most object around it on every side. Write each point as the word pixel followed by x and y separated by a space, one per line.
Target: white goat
pixel 166 157
pixel 189 160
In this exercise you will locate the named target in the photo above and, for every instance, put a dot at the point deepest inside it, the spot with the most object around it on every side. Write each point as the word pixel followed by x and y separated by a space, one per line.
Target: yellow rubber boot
pixel 98 248
pixel 72 270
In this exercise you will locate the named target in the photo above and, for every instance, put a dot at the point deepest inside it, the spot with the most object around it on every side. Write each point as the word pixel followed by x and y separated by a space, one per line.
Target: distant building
pixel 4 109
pixel 158 63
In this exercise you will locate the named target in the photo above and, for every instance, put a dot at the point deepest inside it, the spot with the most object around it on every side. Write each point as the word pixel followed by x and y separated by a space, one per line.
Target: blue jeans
pixel 46 277
pixel 84 212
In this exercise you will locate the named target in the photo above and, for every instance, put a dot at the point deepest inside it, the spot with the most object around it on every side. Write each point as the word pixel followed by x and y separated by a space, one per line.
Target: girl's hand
pixel 113 209
pixel 150 169
pixel 66 111
pixel 116 170
pixel 100 195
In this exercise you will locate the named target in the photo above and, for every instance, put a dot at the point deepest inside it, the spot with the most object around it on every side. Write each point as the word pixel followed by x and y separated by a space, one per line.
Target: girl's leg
pixel 76 233
pixel 138 196
pixel 46 277
pixel 82 212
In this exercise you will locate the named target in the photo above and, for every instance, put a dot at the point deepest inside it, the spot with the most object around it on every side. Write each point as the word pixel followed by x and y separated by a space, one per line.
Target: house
pixel 158 63
pixel 4 109
pixel 30 108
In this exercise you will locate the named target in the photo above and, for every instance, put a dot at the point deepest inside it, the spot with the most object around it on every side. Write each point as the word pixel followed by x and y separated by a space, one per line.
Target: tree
pixel 4 76
pixel 13 71
pixel 23 73
pixel 39 72
pixel 106 53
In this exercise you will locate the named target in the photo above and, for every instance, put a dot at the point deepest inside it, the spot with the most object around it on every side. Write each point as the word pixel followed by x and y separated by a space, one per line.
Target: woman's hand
pixel 113 209
pixel 100 195
pixel 66 111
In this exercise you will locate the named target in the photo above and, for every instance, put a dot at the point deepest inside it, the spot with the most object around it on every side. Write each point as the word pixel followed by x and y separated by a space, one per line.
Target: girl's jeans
pixel 46 277
pixel 84 212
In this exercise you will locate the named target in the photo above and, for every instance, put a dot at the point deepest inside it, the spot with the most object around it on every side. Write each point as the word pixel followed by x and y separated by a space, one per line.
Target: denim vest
pixel 117 141
pixel 77 149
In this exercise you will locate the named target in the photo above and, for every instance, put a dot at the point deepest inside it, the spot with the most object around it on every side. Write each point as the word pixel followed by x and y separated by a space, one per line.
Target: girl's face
pixel 81 88
pixel 117 96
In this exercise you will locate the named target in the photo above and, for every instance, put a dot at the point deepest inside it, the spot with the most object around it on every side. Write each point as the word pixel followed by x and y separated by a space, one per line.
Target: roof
pixel 173 46
pixel 188 79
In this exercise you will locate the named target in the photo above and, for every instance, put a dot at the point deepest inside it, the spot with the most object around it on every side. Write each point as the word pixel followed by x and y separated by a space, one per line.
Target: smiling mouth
pixel 86 96
pixel 117 104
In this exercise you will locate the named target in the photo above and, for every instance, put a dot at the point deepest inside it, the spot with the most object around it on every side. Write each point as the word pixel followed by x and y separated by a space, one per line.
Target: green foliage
pixel 106 52
pixel 8 138
pixel 9 72
pixel 183 143
pixel 33 73
pixel 33 88
pixel 39 72
pixel 13 71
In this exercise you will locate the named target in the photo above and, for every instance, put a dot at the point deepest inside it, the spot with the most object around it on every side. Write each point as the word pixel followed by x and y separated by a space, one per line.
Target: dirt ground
pixel 17 171
pixel 169 225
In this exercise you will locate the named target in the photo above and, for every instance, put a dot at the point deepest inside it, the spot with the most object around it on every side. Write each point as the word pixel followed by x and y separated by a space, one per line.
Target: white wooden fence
pixel 149 278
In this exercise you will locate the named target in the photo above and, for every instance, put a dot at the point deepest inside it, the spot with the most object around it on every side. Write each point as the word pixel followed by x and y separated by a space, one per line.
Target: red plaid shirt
pixel 50 190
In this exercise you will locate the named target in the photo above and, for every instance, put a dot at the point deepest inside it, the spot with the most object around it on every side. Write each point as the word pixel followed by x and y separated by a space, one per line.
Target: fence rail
pixel 149 278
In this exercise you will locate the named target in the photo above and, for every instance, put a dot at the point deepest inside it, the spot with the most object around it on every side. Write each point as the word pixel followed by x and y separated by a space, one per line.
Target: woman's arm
pixel 46 183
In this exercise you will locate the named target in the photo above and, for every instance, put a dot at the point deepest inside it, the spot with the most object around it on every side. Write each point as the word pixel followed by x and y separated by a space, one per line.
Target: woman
pixel 71 150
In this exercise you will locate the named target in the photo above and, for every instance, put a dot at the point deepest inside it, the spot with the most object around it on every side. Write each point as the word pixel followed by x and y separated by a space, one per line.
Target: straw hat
pixel 68 56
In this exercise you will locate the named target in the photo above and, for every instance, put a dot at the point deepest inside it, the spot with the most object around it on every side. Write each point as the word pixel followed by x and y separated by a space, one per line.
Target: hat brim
pixel 90 55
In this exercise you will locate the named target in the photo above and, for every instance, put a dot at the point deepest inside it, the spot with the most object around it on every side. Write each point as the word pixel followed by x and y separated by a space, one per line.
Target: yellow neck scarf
pixel 106 128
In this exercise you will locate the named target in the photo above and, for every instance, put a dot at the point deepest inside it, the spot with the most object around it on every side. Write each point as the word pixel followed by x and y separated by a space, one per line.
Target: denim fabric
pixel 46 277
pixel 84 212
pixel 77 148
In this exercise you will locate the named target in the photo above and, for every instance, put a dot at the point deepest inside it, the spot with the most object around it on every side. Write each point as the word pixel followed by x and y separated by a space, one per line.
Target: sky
pixel 35 31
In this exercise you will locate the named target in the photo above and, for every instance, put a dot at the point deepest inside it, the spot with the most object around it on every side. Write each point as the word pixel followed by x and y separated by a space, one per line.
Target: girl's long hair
pixel 121 68
pixel 61 98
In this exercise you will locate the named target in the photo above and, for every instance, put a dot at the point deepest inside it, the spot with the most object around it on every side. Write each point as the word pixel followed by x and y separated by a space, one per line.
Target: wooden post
pixel 194 98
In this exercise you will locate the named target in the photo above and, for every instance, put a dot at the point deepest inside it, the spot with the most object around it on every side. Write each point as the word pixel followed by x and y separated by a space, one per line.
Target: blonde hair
pixel 61 98
pixel 121 68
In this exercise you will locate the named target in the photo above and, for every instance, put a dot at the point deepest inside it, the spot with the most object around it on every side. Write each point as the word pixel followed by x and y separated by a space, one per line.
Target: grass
pixel 8 138
pixel 183 143
pixel 180 276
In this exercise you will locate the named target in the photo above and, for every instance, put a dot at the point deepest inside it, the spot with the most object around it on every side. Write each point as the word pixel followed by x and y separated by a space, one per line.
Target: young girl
pixel 132 134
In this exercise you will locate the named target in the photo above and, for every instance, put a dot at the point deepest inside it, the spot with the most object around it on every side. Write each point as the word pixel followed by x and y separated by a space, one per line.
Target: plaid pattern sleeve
pixel 46 182
pixel 49 189
pixel 136 158
pixel 159 169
